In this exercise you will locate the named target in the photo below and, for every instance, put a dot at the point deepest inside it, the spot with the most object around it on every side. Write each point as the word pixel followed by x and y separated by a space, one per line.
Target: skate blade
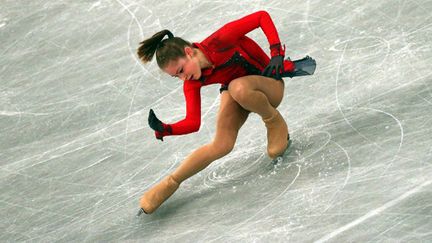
pixel 141 211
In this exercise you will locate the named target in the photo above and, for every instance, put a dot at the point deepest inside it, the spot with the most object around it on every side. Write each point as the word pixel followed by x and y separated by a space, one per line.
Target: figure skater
pixel 250 82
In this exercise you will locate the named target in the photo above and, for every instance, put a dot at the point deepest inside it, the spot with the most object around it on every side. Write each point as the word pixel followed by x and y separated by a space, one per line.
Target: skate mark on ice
pixel 265 207
pixel 347 177
pixel 374 212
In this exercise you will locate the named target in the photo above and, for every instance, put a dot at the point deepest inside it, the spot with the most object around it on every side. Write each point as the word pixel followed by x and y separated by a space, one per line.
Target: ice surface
pixel 76 152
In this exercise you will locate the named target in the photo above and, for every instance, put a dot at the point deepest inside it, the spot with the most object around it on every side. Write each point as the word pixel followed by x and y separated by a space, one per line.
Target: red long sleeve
pixel 192 121
pixel 219 47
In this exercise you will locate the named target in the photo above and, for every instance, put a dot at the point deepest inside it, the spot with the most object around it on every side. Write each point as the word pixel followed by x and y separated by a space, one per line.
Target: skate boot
pixel 277 132
pixel 303 67
pixel 153 198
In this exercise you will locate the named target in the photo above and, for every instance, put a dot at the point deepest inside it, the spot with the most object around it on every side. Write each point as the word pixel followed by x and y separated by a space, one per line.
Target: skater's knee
pixel 238 90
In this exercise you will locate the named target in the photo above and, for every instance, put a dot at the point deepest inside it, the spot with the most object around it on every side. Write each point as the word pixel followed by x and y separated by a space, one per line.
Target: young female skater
pixel 250 82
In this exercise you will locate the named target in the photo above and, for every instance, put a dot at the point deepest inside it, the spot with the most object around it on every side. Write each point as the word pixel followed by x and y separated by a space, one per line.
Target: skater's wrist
pixel 277 50
pixel 167 131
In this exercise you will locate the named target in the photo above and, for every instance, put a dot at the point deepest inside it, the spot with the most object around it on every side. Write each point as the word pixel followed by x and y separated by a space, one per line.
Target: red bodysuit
pixel 233 55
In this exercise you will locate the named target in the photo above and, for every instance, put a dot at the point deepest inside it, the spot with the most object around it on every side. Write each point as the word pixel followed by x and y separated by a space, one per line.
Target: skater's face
pixel 185 68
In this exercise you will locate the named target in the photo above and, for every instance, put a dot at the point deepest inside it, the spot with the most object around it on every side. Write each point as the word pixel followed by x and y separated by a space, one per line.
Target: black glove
pixel 161 129
pixel 276 66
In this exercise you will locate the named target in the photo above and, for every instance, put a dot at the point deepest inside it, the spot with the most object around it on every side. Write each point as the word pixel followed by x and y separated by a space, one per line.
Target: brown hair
pixel 165 49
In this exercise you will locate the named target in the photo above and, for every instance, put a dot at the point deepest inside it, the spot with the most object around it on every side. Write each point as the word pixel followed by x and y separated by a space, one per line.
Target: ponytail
pixel 165 49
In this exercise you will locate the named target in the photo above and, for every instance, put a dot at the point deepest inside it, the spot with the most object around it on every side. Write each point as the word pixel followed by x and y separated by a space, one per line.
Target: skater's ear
pixel 188 51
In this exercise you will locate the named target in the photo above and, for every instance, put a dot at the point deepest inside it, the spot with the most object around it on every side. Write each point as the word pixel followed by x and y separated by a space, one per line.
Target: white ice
pixel 76 152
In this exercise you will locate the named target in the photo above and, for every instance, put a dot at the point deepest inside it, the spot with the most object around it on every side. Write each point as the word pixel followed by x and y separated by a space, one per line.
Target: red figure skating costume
pixel 233 55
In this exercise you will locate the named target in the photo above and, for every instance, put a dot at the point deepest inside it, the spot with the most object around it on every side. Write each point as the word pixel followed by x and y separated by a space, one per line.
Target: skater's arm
pixel 231 32
pixel 192 122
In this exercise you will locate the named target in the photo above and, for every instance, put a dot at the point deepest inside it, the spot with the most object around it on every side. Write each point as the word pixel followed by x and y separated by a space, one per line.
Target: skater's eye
pixel 178 72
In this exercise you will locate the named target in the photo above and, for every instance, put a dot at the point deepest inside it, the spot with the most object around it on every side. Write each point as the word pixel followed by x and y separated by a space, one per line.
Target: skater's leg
pixel 231 117
pixel 262 95
pixel 258 94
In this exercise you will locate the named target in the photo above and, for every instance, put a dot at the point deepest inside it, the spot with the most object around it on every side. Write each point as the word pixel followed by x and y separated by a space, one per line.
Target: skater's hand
pixel 276 66
pixel 161 129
